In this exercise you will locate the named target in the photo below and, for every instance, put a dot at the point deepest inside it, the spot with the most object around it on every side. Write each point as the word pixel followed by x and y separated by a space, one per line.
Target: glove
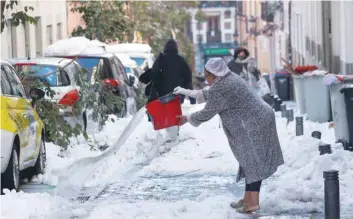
pixel 186 92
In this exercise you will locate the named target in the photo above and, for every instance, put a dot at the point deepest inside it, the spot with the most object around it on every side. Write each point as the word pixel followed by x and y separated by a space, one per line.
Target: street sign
pixel 217 51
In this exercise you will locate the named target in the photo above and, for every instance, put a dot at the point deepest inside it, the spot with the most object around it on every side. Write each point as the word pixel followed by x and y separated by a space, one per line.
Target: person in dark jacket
pixel 239 63
pixel 169 71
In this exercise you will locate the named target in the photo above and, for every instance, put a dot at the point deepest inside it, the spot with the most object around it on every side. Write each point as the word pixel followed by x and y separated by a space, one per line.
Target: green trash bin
pixel 338 108
pixel 317 98
pixel 299 93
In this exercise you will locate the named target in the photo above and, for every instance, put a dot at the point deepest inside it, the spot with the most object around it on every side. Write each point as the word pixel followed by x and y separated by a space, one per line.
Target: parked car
pixel 61 76
pixel 111 71
pixel 22 131
pixel 131 68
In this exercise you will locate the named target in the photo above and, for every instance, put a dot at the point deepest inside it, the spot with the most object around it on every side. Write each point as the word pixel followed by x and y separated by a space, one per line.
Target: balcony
pixel 214 36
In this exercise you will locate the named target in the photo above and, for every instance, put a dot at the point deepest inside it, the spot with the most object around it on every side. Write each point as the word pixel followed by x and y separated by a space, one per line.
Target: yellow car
pixel 21 130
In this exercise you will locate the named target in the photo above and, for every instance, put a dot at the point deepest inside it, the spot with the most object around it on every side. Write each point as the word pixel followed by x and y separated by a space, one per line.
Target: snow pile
pixel 30 205
pixel 75 46
pixel 298 185
pixel 316 73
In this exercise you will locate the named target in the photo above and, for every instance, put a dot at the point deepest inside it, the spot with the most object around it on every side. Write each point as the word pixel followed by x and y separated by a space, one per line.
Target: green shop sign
pixel 217 51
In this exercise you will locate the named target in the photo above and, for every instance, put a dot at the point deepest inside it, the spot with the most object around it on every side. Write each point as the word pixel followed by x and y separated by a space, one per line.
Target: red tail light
pixel 70 98
pixel 111 81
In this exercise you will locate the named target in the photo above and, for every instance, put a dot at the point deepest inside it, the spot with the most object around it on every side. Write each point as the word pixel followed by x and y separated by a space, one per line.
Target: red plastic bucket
pixel 164 111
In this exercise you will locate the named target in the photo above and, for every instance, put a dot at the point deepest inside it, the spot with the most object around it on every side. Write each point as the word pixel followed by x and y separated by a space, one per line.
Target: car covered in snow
pixel 140 53
pixel 22 131
pixel 60 75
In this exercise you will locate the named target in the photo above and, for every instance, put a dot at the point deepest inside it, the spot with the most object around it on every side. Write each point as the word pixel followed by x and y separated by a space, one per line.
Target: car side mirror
pixel 131 80
pixel 36 94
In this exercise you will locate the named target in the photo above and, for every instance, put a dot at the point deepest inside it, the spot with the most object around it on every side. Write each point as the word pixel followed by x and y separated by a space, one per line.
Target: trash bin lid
pixel 347 88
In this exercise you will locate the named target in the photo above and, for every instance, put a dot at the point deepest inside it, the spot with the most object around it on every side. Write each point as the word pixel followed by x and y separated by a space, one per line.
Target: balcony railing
pixel 214 37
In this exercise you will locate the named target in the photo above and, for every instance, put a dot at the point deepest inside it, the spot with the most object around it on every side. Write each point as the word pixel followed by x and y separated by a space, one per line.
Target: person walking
pixel 169 71
pixel 248 122
pixel 239 62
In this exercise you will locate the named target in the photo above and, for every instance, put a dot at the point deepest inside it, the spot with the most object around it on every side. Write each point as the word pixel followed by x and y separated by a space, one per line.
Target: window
pixel 121 68
pixel 58 31
pixel 64 79
pixel 199 26
pixel 199 37
pixel 227 14
pixel 15 82
pixel 45 73
pixel 38 38
pixel 228 37
pixel 13 39
pixel 128 70
pixel 5 84
pixel 49 34
pixel 139 61
pixel 227 25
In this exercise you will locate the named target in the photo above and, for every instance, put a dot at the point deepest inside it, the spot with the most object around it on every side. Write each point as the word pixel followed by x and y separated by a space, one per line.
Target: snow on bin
pixel 348 97
pixel 164 111
pixel 299 92
pixel 338 105
pixel 317 98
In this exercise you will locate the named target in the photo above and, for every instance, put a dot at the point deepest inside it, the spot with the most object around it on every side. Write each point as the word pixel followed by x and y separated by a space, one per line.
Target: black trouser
pixel 253 187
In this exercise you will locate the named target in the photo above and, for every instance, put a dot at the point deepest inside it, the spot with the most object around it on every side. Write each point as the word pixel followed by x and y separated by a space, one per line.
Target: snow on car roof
pixel 41 61
pixel 126 60
pixel 75 46
pixel 129 47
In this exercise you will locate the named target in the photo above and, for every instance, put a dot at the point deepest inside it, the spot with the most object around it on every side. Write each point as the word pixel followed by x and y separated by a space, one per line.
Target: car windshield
pixel 46 73
pixel 138 60
pixel 88 63
pixel 127 70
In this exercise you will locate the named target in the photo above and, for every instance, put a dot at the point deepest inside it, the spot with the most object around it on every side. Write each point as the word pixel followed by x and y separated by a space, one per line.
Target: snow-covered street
pixel 195 177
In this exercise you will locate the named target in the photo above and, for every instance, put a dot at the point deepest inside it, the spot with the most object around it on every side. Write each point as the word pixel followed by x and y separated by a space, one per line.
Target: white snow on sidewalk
pixel 296 187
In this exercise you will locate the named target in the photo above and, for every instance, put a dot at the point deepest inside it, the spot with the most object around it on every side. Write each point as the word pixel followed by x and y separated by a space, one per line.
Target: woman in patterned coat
pixel 248 122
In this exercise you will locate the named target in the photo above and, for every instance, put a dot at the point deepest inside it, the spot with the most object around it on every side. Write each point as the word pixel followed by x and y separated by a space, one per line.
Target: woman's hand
pixel 183 120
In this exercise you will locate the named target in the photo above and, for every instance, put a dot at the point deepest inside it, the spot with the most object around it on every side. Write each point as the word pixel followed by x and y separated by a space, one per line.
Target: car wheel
pixel 10 179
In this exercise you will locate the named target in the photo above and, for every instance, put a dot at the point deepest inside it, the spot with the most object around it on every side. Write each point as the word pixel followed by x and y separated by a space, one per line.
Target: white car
pixel 140 53
pixel 61 75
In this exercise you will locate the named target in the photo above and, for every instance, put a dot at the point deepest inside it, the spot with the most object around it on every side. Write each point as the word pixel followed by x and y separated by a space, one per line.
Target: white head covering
pixel 217 66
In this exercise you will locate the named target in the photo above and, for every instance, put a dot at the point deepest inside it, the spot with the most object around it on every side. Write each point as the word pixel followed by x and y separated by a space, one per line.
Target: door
pixel 21 106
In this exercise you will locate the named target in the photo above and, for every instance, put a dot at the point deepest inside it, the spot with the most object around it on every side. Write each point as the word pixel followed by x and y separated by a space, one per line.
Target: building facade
pixel 30 40
pixel 321 33
pixel 215 35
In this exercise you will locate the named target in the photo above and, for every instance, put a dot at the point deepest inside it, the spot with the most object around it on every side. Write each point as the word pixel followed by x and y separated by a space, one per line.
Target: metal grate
pixel 81 199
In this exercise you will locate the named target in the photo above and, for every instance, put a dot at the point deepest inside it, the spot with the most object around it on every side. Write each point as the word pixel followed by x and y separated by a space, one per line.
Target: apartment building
pixel 321 33
pixel 30 40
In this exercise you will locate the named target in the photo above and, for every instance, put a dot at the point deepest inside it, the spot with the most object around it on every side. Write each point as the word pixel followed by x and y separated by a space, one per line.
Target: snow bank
pixel 75 46
pixel 298 185
pixel 30 205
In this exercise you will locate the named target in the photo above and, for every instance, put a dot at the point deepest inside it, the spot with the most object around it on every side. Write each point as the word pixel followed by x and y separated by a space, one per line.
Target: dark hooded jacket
pixel 169 71
pixel 236 65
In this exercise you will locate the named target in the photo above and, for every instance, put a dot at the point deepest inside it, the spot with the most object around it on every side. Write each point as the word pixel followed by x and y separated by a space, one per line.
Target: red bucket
pixel 164 111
